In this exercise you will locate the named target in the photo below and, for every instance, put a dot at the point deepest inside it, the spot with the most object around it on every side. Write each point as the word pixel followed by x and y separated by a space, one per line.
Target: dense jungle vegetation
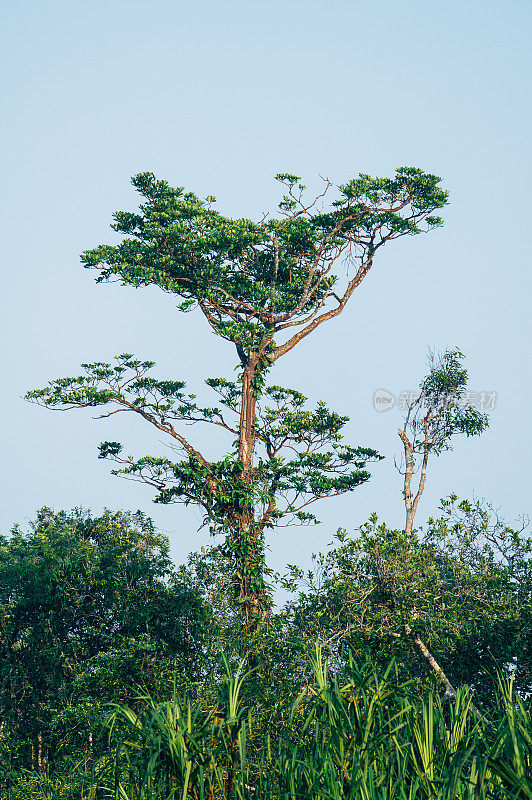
pixel 124 676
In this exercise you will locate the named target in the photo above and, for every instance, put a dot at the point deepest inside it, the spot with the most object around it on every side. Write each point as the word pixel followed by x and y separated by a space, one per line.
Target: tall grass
pixel 361 735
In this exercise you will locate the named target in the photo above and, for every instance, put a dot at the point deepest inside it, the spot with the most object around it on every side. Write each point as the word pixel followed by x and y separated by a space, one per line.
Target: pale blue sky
pixel 218 97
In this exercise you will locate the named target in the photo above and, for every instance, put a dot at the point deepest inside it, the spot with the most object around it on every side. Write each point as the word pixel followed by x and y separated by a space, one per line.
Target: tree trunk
pixel 39 753
pixel 247 418
pixel 407 490
pixel 251 590
pixel 450 691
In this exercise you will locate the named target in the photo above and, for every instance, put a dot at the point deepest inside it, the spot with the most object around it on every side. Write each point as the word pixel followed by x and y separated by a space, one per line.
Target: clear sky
pixel 219 97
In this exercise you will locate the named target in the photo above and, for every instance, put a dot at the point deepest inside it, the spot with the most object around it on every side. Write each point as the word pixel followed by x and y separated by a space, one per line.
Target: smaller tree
pixel 438 413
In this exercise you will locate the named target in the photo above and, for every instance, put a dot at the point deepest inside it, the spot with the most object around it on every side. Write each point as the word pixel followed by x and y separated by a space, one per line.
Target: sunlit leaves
pixel 246 276
pixel 441 409
pixel 126 386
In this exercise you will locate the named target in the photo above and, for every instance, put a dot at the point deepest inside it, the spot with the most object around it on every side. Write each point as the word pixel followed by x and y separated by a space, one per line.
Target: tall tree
pixel 263 286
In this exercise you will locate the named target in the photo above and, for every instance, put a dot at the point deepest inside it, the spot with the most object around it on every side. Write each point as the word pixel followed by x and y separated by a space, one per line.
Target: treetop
pixel 253 280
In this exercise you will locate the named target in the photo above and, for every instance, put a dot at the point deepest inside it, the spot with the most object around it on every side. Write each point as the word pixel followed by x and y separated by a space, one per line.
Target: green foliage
pixel 463 585
pixel 473 538
pixel 360 734
pixel 92 614
pixel 246 276
pixel 85 614
pixel 293 468
pixel 441 409
pixel 177 749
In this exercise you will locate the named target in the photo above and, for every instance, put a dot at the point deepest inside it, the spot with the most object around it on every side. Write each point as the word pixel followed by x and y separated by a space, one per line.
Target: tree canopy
pixel 257 280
